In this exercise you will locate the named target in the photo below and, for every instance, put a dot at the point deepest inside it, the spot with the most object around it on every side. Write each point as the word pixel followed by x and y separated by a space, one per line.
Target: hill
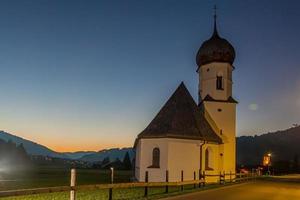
pixel 36 149
pixel 112 154
pixel 31 148
pixel 284 146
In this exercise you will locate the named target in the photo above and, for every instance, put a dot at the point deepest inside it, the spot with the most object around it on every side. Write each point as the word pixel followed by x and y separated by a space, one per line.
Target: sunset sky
pixel 88 75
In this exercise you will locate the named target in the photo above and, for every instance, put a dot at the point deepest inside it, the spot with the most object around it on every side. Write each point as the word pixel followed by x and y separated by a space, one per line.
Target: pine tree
pixel 22 154
pixel 105 162
pixel 127 162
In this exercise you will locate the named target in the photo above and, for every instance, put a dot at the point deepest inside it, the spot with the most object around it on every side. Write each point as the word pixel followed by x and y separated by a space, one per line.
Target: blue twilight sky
pixel 87 75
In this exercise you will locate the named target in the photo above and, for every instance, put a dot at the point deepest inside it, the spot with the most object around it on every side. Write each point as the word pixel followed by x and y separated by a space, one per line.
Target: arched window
pixel 155 157
pixel 208 159
pixel 220 83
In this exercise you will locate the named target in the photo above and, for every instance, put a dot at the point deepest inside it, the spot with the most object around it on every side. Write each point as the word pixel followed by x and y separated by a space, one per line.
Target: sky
pixel 88 75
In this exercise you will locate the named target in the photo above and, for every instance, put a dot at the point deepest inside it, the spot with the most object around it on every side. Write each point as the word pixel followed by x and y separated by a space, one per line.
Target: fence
pixel 200 182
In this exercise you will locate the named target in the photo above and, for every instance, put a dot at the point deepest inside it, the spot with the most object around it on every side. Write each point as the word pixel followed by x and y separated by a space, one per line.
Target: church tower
pixel 215 66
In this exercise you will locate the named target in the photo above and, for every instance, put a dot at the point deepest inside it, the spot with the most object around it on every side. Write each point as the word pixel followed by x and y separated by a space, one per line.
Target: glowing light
pixel 253 107
pixel 266 160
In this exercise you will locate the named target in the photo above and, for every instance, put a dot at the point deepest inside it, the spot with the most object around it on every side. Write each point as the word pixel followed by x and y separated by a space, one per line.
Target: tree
pixel 295 164
pixel 127 162
pixel 105 162
pixel 21 151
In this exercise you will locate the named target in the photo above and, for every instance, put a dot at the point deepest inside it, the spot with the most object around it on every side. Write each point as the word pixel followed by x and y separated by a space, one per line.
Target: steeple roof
pixel 180 118
pixel 215 49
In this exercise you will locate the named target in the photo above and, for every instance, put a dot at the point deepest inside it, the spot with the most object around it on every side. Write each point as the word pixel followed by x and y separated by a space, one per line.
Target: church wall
pixel 226 121
pixel 144 151
pixel 208 77
pixel 183 155
pixel 175 155
pixel 137 160
pixel 217 161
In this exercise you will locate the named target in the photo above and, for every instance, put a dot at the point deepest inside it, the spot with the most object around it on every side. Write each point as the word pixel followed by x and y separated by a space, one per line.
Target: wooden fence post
pixel 110 193
pixel 167 181
pixel 146 187
pixel 110 190
pixel 203 176
pixel 182 180
pixel 194 179
pixel 200 178
pixel 220 176
pixel 72 184
pixel 224 177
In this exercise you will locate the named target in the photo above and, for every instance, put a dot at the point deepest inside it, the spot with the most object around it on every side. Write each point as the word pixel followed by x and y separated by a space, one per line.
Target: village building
pixel 190 137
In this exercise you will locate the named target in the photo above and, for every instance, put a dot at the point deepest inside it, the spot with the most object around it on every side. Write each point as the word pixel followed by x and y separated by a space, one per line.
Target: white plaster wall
pixel 145 149
pixel 137 160
pixel 207 80
pixel 226 118
pixel 175 155
pixel 226 121
pixel 217 162
pixel 183 155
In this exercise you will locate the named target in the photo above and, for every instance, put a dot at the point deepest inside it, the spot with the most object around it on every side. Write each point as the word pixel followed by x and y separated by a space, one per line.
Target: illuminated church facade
pixel 194 137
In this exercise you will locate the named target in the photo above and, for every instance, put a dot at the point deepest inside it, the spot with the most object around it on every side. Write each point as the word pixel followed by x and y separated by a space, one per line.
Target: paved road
pixel 259 190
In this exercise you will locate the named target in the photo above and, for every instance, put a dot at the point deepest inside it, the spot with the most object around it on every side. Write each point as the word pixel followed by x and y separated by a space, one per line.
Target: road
pixel 259 190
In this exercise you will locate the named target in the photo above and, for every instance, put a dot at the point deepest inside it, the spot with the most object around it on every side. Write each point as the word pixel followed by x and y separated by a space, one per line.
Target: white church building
pixel 190 137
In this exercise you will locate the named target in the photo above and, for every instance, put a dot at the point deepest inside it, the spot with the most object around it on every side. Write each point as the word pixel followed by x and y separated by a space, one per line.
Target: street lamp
pixel 111 175
pixel 269 162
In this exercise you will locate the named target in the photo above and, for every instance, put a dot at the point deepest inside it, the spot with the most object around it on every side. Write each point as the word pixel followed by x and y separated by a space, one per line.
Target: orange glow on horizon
pixel 69 144
pixel 61 149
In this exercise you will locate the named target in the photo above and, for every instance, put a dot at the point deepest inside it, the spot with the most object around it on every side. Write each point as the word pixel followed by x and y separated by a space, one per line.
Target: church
pixel 188 137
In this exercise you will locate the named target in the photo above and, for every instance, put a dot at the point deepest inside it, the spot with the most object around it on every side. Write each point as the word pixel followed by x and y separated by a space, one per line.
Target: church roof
pixel 180 118
pixel 210 98
pixel 215 49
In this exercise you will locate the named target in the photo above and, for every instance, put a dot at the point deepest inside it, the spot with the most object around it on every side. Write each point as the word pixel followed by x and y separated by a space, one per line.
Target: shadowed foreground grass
pixel 55 176
pixel 118 194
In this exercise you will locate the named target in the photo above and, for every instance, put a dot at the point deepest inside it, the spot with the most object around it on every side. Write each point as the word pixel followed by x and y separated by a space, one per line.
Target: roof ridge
pixel 181 118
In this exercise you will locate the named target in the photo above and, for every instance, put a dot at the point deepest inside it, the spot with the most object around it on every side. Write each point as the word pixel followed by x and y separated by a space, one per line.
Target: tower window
pixel 220 83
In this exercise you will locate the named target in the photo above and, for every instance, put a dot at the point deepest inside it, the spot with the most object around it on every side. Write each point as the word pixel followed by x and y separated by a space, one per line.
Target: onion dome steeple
pixel 215 49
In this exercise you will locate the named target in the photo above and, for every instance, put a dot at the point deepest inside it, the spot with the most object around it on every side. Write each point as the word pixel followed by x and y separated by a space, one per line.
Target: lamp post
pixel 269 155
pixel 111 175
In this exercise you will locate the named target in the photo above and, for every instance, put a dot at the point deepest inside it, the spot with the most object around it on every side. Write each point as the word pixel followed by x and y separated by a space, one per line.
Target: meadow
pixel 58 176
pixel 54 176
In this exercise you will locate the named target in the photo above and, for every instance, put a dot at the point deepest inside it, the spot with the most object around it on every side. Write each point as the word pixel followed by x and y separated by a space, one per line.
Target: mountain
pixel 31 148
pixel 36 149
pixel 112 154
pixel 283 145
pixel 78 154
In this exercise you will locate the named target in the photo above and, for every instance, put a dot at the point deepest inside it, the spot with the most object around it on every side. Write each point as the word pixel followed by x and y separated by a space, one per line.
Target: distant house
pixel 190 137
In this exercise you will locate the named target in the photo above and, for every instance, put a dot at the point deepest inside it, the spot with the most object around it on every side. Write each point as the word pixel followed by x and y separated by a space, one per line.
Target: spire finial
pixel 215 20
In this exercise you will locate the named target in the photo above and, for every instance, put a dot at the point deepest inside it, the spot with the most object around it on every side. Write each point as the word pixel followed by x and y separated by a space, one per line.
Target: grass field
pixel 118 194
pixel 52 176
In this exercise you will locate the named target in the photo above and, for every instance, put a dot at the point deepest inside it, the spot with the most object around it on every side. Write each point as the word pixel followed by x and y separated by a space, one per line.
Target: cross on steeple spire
pixel 215 21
